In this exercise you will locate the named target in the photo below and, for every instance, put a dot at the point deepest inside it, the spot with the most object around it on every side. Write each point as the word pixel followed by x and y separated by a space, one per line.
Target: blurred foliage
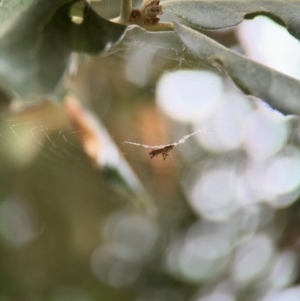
pixel 39 42
pixel 70 227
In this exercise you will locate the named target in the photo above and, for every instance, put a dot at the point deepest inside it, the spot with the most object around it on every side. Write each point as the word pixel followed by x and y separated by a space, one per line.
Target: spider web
pixel 142 59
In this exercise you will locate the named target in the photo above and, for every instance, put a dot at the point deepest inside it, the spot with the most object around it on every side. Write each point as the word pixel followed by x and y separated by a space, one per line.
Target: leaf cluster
pixel 35 48
pixel 277 89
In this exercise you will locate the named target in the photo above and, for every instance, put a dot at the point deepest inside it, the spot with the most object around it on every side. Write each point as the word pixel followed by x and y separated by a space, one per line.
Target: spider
pixel 163 151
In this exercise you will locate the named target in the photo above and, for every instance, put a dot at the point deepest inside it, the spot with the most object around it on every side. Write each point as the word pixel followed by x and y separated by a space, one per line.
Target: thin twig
pixel 161 26
pixel 126 9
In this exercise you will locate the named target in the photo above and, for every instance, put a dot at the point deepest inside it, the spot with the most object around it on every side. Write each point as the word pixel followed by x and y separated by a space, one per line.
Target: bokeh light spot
pixel 188 95
pixel 223 131
pixel 271 44
pixel 252 259
pixel 291 294
pixel 17 225
pixel 217 296
pixel 132 235
pixel 213 194
pixel 111 270
pixel 203 257
pixel 284 270
pixel 283 175
pixel 265 133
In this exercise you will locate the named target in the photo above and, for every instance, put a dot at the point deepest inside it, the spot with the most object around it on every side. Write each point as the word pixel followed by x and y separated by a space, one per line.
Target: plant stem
pixel 126 9
pixel 161 26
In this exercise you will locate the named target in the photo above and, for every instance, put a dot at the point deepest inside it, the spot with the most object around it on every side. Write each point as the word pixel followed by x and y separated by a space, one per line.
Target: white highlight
pixel 188 96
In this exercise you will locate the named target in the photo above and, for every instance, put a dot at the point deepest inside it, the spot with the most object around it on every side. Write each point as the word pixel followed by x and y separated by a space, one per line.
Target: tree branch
pixel 126 9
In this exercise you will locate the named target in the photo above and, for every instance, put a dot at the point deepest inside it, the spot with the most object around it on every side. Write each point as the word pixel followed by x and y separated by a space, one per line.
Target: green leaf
pixel 280 91
pixel 35 49
pixel 212 15
pixel 9 10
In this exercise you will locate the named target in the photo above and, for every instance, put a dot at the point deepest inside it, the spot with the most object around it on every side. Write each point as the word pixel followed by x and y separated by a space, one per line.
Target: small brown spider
pixel 163 151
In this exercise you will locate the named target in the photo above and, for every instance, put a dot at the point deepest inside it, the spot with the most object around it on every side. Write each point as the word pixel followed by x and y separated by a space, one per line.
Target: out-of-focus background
pixel 84 216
